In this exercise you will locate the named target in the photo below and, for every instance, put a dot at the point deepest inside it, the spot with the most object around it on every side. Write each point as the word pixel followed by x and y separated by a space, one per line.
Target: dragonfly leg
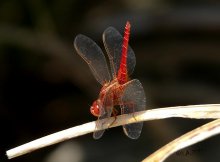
pixel 133 112
pixel 134 116
pixel 131 106
pixel 114 113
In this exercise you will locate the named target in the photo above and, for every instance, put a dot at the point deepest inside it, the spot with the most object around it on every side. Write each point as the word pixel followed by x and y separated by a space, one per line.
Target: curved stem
pixel 211 111
pixel 199 134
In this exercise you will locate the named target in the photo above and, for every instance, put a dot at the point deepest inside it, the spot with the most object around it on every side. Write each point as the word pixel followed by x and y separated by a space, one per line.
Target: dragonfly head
pixel 94 109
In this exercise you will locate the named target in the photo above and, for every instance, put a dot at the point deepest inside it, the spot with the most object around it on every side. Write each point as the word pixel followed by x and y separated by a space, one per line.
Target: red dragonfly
pixel 117 89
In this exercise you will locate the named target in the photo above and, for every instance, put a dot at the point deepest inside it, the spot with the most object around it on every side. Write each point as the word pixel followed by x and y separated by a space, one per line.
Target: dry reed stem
pixel 211 111
pixel 199 134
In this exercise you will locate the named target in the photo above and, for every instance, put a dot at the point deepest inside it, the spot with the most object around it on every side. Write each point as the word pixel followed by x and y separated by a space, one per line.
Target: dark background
pixel 46 87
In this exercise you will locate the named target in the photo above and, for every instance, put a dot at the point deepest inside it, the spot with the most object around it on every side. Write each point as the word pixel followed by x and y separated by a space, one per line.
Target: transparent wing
pixel 113 44
pixel 133 100
pixel 93 56
pixel 105 110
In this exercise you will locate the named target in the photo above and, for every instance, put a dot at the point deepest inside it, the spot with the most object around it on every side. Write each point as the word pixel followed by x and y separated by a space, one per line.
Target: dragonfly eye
pixel 94 109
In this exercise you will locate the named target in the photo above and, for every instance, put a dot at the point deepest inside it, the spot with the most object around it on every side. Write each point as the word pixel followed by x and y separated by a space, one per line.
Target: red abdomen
pixel 122 71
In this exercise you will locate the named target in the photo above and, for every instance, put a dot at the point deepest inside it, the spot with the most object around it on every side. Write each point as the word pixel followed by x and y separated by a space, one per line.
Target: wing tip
pixel 75 42
pixel 132 135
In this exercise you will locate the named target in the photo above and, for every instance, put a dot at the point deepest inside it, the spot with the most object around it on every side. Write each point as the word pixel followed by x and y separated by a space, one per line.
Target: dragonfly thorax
pixel 108 88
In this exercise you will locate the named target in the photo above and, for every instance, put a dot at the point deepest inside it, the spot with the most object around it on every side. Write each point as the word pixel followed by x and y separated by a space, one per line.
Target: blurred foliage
pixel 46 87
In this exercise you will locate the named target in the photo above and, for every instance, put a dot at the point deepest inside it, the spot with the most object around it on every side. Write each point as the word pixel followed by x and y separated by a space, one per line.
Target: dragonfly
pixel 118 90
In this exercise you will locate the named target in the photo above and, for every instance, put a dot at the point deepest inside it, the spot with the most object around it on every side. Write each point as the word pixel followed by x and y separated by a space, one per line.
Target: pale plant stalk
pixel 211 111
pixel 199 134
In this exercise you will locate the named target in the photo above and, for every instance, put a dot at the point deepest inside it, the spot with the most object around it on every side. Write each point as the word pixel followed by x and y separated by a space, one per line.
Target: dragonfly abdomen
pixel 122 71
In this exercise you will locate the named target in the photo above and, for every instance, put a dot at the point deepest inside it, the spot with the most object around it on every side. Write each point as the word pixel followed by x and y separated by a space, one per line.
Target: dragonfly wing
pixel 93 56
pixel 133 99
pixel 105 111
pixel 113 44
